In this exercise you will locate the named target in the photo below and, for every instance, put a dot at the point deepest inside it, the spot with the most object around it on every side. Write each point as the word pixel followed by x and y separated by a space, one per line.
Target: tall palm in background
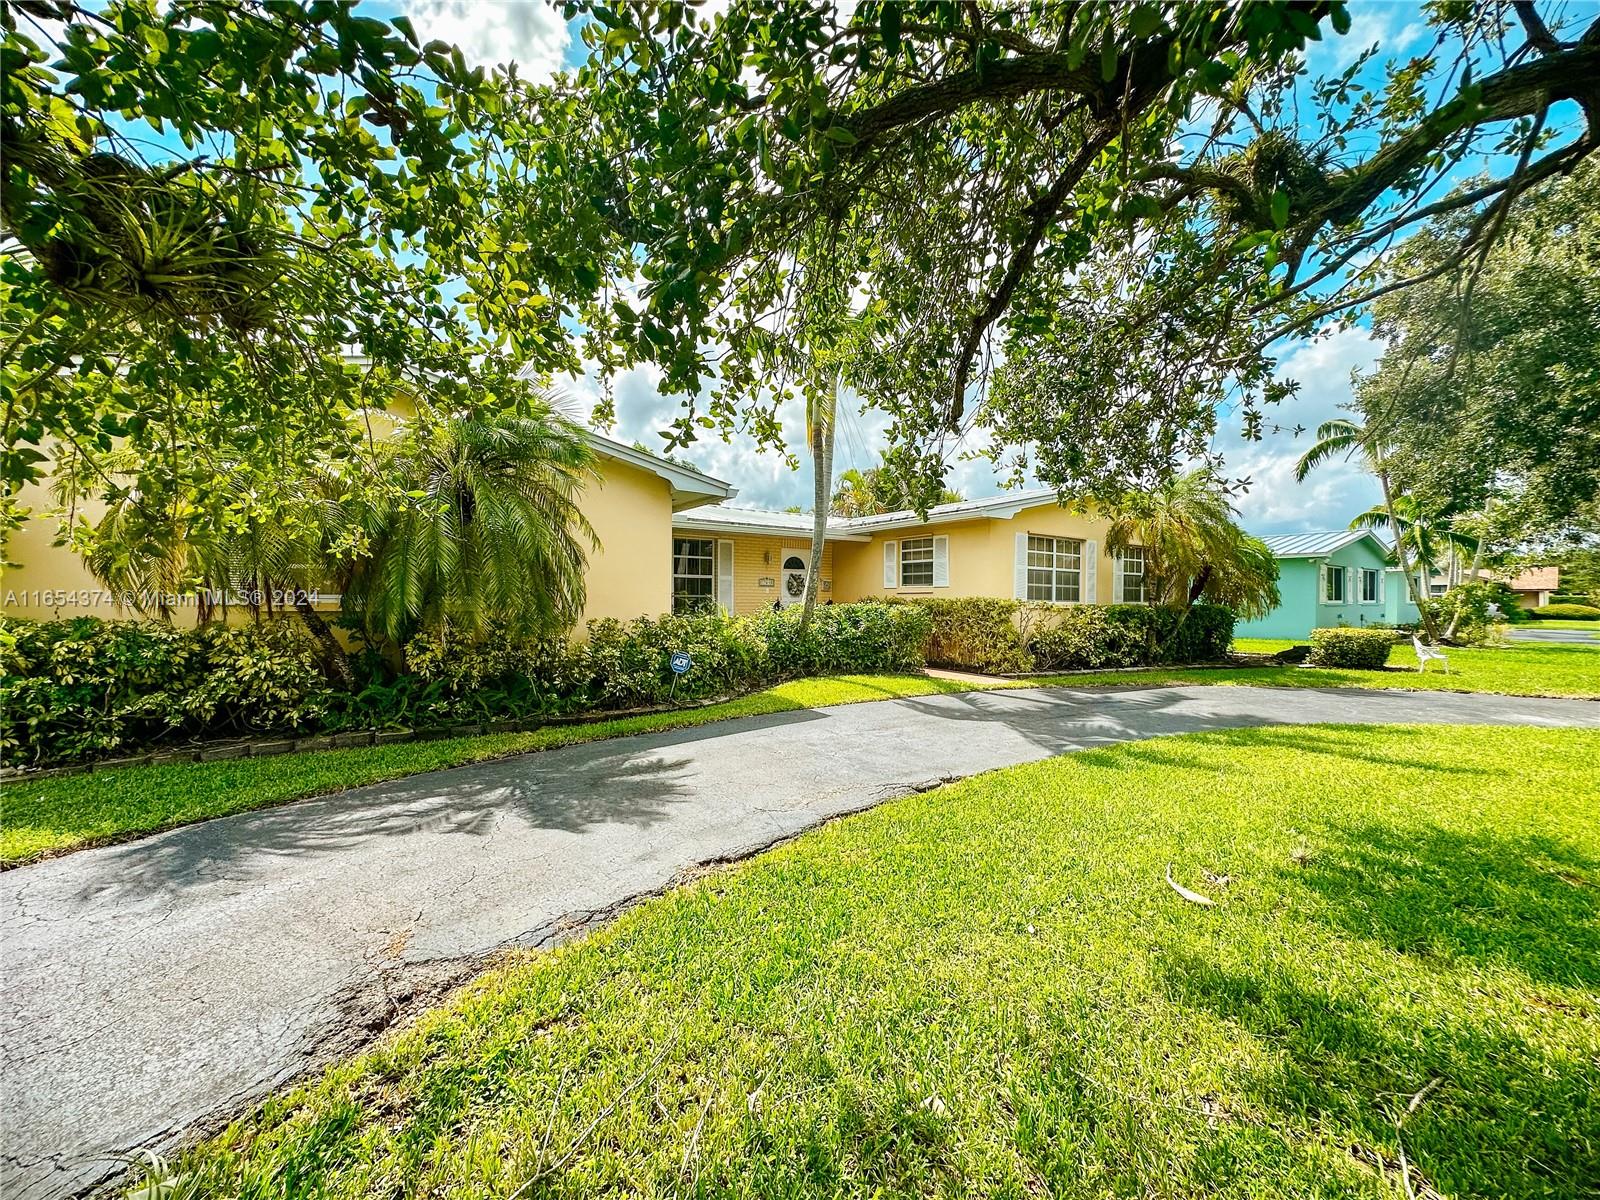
pixel 1194 548
pixel 1431 539
pixel 873 491
pixel 1345 438
pixel 483 525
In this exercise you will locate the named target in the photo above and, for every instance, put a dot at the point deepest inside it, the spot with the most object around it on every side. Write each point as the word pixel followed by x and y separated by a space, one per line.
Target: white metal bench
pixel 1424 653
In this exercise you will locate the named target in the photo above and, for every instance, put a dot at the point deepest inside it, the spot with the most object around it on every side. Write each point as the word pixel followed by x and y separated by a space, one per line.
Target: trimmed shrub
pixel 1009 637
pixel 1566 612
pixel 845 639
pixel 85 687
pixel 1090 638
pixel 1359 649
pixel 977 633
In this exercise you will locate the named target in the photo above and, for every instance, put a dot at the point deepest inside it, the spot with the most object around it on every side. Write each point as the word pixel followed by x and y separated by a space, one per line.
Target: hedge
pixel 1361 649
pixel 1010 637
pixel 1566 612
pixel 85 688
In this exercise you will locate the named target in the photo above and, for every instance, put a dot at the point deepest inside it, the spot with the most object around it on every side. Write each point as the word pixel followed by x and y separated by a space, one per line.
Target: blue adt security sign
pixel 681 662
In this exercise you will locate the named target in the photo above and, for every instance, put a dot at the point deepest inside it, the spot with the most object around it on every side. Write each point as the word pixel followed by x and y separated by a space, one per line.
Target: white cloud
pixel 1392 25
pixel 530 33
pixel 1335 491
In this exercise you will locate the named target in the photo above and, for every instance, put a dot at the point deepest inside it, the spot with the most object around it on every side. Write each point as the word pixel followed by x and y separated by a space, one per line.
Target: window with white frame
pixel 1131 564
pixel 1333 584
pixel 1371 586
pixel 694 575
pixel 1055 568
pixel 916 562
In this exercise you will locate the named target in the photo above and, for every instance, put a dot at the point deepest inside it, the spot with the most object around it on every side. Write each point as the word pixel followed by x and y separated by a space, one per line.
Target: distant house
pixel 1534 586
pixel 1330 578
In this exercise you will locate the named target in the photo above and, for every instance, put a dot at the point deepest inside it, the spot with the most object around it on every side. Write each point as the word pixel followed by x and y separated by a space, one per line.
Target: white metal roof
pixel 1318 543
pixel 726 518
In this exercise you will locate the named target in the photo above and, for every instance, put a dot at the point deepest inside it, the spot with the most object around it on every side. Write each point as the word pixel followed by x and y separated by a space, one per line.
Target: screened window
pixel 1132 568
pixel 1333 589
pixel 1055 568
pixel 1371 583
pixel 694 574
pixel 916 562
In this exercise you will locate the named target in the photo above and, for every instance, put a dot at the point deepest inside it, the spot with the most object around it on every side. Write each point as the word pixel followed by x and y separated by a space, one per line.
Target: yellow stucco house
pixel 1022 545
pixel 669 541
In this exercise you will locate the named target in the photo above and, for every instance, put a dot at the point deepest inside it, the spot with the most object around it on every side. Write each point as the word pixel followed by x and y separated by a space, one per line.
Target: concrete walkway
pixel 169 982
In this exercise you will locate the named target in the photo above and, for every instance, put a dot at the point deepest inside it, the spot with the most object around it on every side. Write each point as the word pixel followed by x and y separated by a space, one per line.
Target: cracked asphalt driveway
pixel 164 984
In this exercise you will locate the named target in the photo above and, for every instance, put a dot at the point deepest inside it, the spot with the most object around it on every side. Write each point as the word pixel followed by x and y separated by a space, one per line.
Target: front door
pixel 792 579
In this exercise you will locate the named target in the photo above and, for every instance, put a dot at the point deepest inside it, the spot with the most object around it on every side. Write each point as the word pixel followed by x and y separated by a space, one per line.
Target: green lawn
pixel 1521 670
pixel 1587 626
pixel 989 989
pixel 70 812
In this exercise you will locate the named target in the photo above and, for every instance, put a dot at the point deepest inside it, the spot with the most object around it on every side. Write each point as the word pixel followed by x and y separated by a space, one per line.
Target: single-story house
pixel 670 542
pixel 1023 545
pixel 1329 578
pixel 1535 586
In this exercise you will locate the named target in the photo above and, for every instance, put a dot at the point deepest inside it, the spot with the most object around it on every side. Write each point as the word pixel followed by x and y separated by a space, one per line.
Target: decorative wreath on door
pixel 795 585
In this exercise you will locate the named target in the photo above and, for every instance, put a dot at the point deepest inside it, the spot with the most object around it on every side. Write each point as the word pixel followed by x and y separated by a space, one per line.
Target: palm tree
pixel 1193 546
pixel 867 493
pixel 822 409
pixel 1429 539
pixel 1345 437
pixel 150 557
pixel 482 524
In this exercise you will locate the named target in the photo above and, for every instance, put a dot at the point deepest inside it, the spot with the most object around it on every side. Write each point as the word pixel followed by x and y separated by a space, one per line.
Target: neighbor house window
pixel 1371 586
pixel 1055 568
pixel 694 574
pixel 916 562
pixel 1132 568
pixel 1333 590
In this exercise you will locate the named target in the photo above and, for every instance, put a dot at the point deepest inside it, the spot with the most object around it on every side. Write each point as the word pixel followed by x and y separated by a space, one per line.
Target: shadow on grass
pixel 1529 903
pixel 1514 1113
pixel 1509 1116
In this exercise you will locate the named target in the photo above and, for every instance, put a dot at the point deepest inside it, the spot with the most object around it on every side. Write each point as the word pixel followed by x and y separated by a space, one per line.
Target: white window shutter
pixel 941 562
pixel 725 576
pixel 1019 576
pixel 1322 584
pixel 1116 579
pixel 891 564
pixel 1090 592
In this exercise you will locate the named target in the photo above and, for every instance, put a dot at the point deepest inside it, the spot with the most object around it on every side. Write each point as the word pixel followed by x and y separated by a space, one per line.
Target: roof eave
pixel 690 488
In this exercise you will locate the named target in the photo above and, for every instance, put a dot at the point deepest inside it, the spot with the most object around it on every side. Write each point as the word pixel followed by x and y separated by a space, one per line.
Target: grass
pixel 989 989
pixel 1518 670
pixel 1586 626
pixel 51 816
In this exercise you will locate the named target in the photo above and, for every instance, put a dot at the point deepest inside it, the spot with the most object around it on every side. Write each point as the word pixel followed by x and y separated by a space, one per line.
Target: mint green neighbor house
pixel 1330 578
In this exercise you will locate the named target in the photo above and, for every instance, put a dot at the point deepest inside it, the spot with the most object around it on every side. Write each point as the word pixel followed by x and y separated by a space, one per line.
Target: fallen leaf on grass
pixel 1191 897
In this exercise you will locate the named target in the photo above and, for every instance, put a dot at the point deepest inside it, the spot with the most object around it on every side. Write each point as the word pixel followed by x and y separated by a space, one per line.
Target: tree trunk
pixel 334 659
pixel 1472 577
pixel 821 490
pixel 1428 626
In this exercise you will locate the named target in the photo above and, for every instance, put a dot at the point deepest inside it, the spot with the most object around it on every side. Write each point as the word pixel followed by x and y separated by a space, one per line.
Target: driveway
pixel 164 984
pixel 1571 637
